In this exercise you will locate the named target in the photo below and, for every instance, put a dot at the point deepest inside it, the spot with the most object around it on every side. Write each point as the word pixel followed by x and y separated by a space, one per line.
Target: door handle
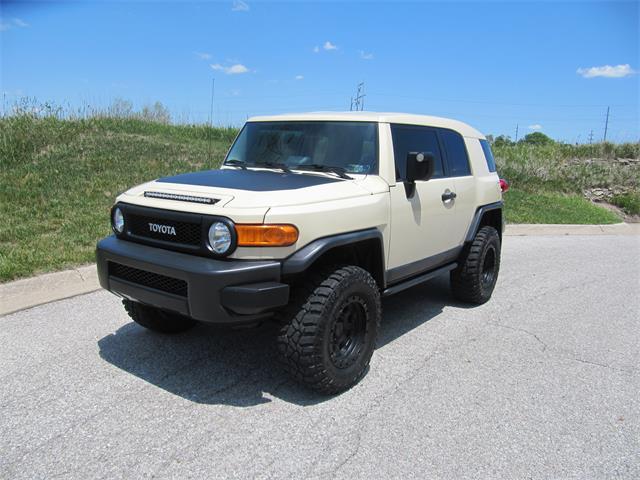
pixel 448 195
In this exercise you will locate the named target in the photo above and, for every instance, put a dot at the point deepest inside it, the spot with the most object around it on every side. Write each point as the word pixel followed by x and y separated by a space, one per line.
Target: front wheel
pixel 329 338
pixel 475 278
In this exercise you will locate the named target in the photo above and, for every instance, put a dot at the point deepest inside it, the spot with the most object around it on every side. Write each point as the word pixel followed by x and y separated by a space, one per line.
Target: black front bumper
pixel 209 290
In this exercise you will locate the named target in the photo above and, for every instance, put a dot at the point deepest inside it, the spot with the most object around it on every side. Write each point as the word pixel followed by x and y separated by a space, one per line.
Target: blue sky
pixel 548 66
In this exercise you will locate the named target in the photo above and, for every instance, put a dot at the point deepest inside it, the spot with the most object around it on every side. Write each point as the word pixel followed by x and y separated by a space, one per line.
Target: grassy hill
pixel 59 179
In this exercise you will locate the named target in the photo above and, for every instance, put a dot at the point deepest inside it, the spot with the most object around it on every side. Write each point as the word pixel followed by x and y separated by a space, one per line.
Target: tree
pixel 156 113
pixel 121 108
pixel 502 141
pixel 537 138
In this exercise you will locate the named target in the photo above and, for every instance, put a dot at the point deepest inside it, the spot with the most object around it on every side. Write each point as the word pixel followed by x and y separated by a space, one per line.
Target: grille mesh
pixel 148 279
pixel 187 233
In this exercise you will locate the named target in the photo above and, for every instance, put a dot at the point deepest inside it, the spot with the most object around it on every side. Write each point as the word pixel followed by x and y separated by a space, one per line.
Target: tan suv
pixel 310 221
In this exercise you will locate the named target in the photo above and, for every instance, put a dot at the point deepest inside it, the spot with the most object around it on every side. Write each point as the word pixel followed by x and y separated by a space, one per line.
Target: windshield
pixel 352 146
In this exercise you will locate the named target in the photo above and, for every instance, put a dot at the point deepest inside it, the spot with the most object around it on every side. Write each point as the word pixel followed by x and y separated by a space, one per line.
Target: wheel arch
pixel 486 215
pixel 363 248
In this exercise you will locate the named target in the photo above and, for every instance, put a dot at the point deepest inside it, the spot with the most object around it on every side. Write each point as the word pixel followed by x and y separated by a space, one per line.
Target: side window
pixel 408 138
pixel 488 155
pixel 457 158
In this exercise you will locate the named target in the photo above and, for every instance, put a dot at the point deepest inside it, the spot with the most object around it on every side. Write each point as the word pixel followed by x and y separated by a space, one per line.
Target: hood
pixel 257 188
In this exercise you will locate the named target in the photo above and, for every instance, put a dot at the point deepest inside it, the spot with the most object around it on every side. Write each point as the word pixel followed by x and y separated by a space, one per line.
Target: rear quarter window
pixel 488 155
pixel 457 158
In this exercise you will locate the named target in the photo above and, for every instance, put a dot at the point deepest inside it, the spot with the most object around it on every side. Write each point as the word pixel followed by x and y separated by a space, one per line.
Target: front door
pixel 420 224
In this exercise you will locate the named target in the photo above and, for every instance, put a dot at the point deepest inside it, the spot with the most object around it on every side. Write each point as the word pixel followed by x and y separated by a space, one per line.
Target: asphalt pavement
pixel 541 382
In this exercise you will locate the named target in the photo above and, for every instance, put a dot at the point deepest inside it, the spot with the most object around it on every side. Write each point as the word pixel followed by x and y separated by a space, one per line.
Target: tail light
pixel 504 185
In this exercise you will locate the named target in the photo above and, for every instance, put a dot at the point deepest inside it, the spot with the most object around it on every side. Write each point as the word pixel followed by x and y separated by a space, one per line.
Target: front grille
pixel 186 233
pixel 148 279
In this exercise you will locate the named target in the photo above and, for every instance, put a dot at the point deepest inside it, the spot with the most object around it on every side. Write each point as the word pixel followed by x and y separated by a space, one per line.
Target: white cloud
pixel 607 71
pixel 329 46
pixel 15 22
pixel 366 56
pixel 240 6
pixel 316 49
pixel 299 77
pixel 203 55
pixel 235 92
pixel 20 23
pixel 232 69
pixel 535 127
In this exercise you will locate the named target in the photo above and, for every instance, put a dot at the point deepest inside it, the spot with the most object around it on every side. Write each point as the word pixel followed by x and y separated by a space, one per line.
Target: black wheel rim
pixel 348 332
pixel 489 267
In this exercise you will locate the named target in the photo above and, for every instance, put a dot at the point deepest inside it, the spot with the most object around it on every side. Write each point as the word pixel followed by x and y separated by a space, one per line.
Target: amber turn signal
pixel 280 235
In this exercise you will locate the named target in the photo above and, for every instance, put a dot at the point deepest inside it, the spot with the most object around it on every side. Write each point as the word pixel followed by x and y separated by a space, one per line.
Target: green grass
pixel 629 202
pixel 566 168
pixel 548 182
pixel 549 207
pixel 59 179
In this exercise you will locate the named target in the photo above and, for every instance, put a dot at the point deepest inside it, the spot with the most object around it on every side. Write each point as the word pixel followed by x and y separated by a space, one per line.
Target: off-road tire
pixel 475 278
pixel 156 319
pixel 332 304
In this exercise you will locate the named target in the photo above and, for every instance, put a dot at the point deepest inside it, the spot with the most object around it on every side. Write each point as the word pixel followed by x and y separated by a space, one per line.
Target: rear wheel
pixel 157 320
pixel 475 278
pixel 329 334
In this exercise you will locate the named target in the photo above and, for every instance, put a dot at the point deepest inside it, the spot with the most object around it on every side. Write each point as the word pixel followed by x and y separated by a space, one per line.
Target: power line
pixel 493 102
pixel 606 126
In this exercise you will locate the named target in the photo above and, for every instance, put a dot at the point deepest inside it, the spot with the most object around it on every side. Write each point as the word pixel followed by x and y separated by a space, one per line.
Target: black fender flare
pixel 475 223
pixel 302 259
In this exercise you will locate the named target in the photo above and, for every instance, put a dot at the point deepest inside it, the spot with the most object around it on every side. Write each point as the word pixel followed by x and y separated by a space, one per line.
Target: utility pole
pixel 517 131
pixel 357 103
pixel 213 87
pixel 591 137
pixel 606 126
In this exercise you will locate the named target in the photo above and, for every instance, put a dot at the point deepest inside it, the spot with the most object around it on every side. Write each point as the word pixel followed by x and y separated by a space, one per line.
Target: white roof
pixel 382 117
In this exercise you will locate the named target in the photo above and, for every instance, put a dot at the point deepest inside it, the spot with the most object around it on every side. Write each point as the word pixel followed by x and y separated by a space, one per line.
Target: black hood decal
pixel 252 180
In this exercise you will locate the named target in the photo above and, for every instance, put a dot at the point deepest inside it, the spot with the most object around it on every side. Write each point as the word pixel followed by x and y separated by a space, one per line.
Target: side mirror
pixel 420 166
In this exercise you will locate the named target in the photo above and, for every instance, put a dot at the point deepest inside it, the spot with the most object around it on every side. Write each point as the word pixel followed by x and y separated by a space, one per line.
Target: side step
pixel 412 282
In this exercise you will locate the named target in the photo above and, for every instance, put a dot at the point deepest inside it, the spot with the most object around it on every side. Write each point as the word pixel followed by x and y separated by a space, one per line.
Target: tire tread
pixel 302 326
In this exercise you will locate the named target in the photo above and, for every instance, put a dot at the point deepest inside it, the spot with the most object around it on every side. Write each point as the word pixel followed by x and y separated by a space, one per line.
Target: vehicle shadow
pixel 211 365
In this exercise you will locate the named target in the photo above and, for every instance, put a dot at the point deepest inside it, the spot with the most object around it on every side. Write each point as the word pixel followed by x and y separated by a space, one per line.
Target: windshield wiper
pixel 281 166
pixel 234 162
pixel 341 172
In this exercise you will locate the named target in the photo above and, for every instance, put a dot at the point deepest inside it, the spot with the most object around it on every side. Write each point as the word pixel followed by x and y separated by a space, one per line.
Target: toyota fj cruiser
pixel 311 219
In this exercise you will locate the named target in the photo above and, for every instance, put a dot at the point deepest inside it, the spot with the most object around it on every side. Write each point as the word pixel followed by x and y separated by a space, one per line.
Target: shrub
pixel 629 202
pixel 628 150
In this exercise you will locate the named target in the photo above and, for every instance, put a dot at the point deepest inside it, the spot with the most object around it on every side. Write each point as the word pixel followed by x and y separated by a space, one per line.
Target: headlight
pixel 118 220
pixel 220 238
